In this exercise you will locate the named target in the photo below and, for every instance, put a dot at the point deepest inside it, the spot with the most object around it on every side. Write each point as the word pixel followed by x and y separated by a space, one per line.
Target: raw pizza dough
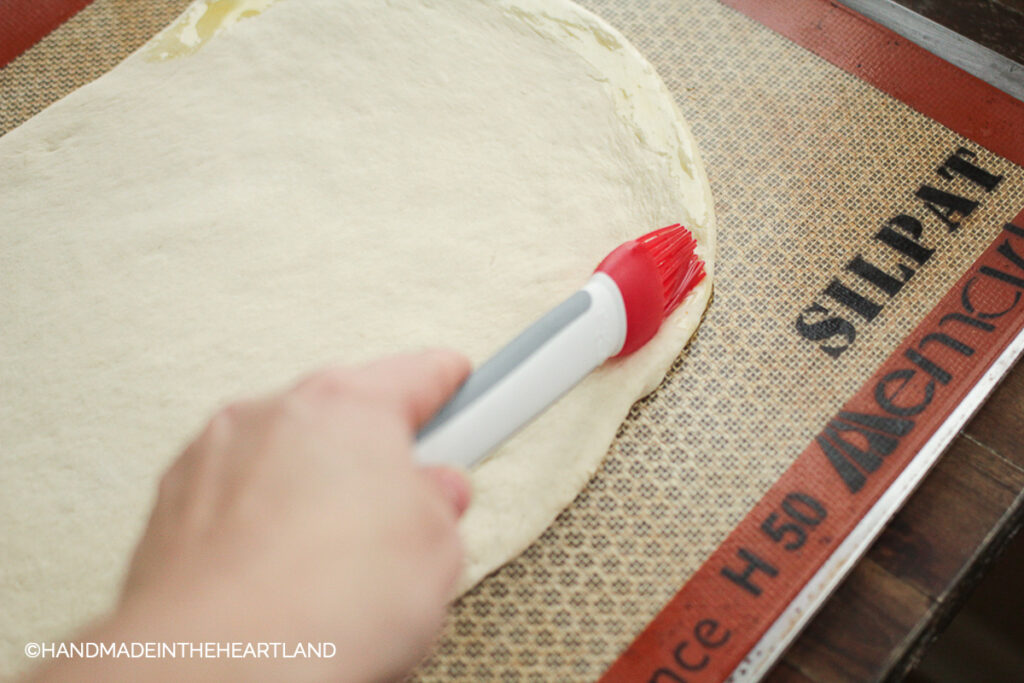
pixel 323 183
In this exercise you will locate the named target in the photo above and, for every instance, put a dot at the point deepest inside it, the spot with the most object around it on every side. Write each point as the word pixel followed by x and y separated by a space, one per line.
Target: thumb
pixel 419 383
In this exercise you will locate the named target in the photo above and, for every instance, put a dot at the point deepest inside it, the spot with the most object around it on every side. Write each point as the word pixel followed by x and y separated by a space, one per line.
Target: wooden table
pixel 917 575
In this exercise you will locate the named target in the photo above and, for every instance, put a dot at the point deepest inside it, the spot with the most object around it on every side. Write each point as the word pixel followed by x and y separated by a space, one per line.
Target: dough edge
pixel 644 102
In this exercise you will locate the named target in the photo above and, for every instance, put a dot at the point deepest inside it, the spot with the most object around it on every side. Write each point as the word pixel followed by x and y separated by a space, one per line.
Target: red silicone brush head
pixel 654 273
pixel 679 268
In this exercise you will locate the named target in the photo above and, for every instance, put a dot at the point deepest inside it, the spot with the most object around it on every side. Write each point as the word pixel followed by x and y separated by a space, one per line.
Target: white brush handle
pixel 529 374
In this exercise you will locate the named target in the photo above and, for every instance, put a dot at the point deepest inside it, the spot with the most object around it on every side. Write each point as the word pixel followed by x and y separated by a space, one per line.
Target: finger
pixel 207 459
pixel 418 383
pixel 453 484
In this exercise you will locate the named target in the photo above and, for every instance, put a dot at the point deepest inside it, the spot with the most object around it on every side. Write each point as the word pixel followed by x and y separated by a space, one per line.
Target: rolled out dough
pixel 323 183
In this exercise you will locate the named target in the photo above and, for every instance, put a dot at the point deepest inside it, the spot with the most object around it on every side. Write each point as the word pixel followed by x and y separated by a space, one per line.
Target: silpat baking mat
pixel 845 217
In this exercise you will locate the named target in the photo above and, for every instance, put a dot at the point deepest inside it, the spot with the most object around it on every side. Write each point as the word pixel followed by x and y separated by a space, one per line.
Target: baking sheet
pixel 807 163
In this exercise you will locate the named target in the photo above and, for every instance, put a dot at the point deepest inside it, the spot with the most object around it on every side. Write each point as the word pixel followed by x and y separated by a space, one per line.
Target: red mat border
pixel 965 104
pixel 939 90
pixel 23 23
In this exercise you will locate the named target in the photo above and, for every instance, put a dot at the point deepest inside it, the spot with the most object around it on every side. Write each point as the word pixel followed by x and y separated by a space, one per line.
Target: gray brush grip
pixel 526 376
pixel 505 361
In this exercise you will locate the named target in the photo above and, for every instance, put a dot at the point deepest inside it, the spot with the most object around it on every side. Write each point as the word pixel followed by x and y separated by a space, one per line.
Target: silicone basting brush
pixel 619 310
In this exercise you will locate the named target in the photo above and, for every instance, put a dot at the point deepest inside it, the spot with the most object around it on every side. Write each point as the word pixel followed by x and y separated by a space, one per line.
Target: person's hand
pixel 302 518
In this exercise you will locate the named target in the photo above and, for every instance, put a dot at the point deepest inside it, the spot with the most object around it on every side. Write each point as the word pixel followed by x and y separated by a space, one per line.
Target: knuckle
pixel 284 412
pixel 337 381
pixel 223 421
pixel 219 424
pixel 216 432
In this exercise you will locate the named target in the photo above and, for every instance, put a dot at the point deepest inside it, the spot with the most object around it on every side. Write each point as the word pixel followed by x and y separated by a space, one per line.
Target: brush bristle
pixel 672 249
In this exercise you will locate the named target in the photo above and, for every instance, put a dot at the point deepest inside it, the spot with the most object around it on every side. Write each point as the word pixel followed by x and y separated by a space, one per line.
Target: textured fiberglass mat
pixel 808 164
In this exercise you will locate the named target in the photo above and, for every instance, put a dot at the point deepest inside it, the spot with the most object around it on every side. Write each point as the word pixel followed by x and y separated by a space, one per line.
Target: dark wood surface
pixel 996 24
pixel 919 572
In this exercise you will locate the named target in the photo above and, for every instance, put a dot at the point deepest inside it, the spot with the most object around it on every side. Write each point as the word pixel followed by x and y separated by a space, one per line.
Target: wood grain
pixel 1001 425
pixel 916 574
pixel 787 673
pixel 883 608
pixel 936 535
